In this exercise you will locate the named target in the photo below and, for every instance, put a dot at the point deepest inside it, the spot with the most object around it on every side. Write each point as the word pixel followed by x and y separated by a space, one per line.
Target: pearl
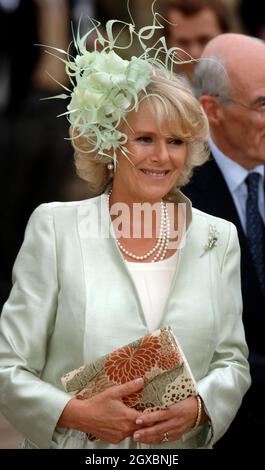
pixel 110 166
pixel 162 243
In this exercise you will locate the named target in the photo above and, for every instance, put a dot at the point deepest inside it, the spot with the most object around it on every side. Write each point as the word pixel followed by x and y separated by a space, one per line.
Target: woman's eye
pixel 176 142
pixel 144 139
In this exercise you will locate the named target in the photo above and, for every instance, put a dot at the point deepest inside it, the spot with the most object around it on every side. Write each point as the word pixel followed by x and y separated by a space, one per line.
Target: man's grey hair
pixel 211 78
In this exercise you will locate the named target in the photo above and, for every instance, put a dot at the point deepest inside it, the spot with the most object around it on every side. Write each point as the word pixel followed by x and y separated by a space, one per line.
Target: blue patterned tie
pixel 255 228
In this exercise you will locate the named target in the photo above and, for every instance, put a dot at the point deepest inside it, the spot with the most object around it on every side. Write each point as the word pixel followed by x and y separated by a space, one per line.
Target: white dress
pixel 153 282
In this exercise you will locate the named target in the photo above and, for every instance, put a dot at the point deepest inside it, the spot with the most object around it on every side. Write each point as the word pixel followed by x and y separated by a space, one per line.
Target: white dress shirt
pixel 235 176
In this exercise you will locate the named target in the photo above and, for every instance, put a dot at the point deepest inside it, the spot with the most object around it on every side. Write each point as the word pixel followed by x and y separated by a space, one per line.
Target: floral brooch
pixel 212 239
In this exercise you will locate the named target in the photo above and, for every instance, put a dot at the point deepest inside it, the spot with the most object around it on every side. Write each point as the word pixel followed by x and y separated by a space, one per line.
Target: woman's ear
pixel 212 108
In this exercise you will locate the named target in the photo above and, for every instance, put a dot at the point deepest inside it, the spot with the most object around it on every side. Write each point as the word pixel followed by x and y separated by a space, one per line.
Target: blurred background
pixel 36 159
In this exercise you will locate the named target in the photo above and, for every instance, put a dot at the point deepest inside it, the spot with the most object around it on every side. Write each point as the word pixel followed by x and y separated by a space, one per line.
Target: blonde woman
pixel 85 285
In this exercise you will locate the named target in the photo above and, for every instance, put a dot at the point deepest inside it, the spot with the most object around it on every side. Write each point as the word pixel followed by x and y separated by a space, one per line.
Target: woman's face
pixel 157 157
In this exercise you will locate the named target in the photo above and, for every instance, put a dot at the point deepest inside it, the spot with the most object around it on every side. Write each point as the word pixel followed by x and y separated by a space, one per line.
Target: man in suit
pixel 231 89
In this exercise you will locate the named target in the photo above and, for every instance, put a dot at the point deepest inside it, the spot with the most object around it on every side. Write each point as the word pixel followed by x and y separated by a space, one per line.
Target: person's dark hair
pixel 191 7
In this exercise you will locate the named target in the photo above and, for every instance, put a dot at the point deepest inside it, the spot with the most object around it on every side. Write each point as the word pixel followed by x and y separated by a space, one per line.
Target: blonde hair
pixel 172 101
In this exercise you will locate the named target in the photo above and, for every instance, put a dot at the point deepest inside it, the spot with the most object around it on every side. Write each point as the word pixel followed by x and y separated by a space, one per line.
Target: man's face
pixel 191 33
pixel 241 129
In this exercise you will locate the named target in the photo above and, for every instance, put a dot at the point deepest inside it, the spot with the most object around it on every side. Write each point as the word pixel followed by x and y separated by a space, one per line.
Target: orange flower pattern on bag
pixel 129 363
pixel 156 357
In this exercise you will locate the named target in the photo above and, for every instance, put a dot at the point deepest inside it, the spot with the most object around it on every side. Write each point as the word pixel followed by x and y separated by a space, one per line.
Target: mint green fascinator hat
pixel 105 87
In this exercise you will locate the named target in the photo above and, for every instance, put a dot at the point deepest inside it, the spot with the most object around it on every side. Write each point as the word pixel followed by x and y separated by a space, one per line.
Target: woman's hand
pixel 105 415
pixel 172 423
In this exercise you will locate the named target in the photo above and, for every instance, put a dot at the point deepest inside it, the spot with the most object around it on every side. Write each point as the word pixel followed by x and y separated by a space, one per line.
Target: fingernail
pixel 139 381
pixel 139 421
pixel 136 437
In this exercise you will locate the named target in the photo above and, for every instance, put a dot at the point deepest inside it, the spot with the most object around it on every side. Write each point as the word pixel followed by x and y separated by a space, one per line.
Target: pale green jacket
pixel 74 300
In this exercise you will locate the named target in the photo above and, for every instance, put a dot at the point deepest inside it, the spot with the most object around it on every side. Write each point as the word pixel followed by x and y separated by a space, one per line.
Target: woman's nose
pixel 161 152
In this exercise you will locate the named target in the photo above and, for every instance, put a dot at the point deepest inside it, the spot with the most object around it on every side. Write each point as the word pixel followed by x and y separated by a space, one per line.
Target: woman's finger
pixel 120 391
pixel 148 419
pixel 158 437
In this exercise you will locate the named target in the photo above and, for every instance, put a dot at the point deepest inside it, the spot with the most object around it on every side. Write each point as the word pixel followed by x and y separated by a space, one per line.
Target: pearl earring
pixel 110 166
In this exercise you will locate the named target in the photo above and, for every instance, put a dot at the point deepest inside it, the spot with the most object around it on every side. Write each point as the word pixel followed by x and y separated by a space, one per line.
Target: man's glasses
pixel 258 107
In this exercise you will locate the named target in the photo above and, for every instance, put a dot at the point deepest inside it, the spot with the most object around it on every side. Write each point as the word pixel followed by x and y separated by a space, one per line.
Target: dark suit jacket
pixel 209 192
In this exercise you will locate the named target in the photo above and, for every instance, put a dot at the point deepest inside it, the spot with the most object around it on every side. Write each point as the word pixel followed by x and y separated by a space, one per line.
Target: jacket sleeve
pixel 228 379
pixel 30 404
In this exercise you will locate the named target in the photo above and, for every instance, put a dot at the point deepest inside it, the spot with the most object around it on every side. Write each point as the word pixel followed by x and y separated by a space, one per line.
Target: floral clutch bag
pixel 157 358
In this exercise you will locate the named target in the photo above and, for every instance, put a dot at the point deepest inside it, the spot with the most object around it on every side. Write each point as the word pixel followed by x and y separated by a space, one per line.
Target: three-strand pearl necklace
pixel 159 250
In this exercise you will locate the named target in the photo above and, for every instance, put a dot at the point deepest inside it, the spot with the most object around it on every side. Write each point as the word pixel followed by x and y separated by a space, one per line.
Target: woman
pixel 82 290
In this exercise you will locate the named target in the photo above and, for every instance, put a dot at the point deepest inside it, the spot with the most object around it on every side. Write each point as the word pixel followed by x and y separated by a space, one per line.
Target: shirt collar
pixel 233 173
